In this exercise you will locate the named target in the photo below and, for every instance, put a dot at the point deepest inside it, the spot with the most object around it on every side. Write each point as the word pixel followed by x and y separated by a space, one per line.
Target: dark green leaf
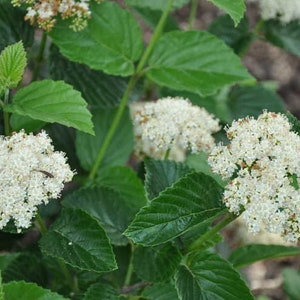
pixel 101 291
pixel 19 122
pixel 251 253
pixel 6 259
pixel 156 264
pixel 111 42
pixel 192 200
pixel 291 279
pixel 78 239
pixel 28 291
pixel 207 276
pixel 156 4
pixel 87 146
pixel 161 174
pixel 160 291
pixel 285 36
pixel 294 121
pixel 195 61
pixel 52 101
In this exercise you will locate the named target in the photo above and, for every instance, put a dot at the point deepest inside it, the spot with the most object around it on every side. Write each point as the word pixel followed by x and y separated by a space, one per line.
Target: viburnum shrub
pixel 132 143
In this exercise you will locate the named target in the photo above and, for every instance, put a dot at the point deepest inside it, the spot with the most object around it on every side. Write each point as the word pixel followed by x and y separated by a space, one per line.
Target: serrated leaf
pixel 111 32
pixel 291 279
pixel 192 200
pixel 79 240
pixel 160 291
pixel 195 61
pixel 87 146
pixel 207 276
pixel 28 291
pixel 165 255
pixel 285 36
pixel 100 291
pixel 12 65
pixel 251 253
pixel 161 174
pixel 156 4
pixel 113 211
pixel 235 9
pixel 252 100
pixel 13 27
pixel 52 101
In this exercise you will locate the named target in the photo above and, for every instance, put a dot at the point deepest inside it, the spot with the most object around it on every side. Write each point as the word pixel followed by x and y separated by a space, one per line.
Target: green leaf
pixel 113 211
pixel 285 36
pixel 207 276
pixel 99 291
pixel 165 255
pixel 155 4
pixel 236 37
pixel 195 61
pixel 18 122
pixel 252 100
pixel 291 279
pixel 12 65
pixel 87 146
pixel 192 200
pixel 111 42
pixel 294 121
pixel 235 8
pixel 251 253
pixel 28 291
pixel 160 291
pixel 52 101
pixel 6 259
pixel 79 240
pixel 161 174
pixel 13 27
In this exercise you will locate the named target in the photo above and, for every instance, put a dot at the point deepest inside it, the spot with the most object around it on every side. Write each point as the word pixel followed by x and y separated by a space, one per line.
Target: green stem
pixel 41 224
pixel 193 14
pixel 130 86
pixel 40 57
pixel 6 114
pixel 130 268
pixel 225 221
pixel 167 154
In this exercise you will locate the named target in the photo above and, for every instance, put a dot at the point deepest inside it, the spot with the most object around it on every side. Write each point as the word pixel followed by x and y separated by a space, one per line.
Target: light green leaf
pixel 160 291
pixel 111 42
pixel 165 255
pixel 99 291
pixel 235 8
pixel 207 276
pixel 161 174
pixel 28 291
pixel 195 61
pixel 12 65
pixel 251 253
pixel 87 146
pixel 52 101
pixel 18 122
pixel 192 200
pixel 156 4
pixel 291 279
pixel 79 240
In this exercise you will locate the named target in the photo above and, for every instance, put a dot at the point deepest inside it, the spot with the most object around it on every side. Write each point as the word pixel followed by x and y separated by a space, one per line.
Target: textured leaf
pixel 160 292
pixel 161 174
pixel 192 200
pixel 207 276
pixel 252 100
pixel 111 42
pixel 120 147
pixel 285 36
pixel 251 253
pixel 291 279
pixel 156 4
pixel 13 27
pixel 78 239
pixel 195 61
pixel 113 211
pixel 28 291
pixel 100 291
pixel 52 101
pixel 235 9
pixel 18 122
pixel 165 255
pixel 12 65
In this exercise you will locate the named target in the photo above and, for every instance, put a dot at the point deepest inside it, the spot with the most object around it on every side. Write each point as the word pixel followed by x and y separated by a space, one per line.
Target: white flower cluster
pixel 263 164
pixel 172 124
pixel 284 10
pixel 31 173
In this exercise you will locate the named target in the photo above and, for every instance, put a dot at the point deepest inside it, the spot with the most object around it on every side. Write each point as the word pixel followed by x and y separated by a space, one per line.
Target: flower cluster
pixel 45 12
pixel 172 125
pixel 263 164
pixel 284 10
pixel 31 173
